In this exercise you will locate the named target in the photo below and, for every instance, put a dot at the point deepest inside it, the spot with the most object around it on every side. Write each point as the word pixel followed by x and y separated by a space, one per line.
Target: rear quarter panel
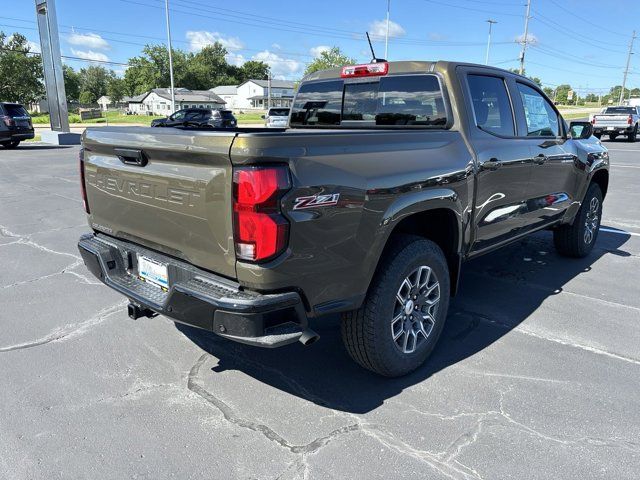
pixel 380 176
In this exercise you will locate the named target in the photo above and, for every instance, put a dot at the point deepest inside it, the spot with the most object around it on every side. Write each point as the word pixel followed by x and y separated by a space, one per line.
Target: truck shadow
pixel 498 292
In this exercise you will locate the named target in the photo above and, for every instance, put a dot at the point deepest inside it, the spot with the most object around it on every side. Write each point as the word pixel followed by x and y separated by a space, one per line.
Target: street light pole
pixel 386 40
pixel 525 39
pixel 490 22
pixel 626 70
pixel 173 95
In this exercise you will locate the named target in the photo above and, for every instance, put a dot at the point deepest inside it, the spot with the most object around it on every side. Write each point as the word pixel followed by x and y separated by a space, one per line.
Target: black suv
pixel 198 118
pixel 15 125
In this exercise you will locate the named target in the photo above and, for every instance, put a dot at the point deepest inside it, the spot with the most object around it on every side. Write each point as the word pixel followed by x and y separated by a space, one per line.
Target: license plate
pixel 153 272
pixel 611 128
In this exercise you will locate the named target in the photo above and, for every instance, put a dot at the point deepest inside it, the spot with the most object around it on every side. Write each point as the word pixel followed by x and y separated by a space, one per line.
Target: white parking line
pixel 626 166
pixel 623 149
pixel 619 232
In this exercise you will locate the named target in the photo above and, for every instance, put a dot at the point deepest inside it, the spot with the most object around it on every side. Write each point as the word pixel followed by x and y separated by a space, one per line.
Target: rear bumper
pixel 620 130
pixel 9 135
pixel 197 297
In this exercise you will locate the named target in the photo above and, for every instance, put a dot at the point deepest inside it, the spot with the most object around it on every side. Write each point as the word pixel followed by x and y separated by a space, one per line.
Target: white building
pixel 228 93
pixel 158 101
pixel 254 94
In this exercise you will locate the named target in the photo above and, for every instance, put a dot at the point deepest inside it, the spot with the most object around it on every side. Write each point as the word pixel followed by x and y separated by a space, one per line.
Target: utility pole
pixel 268 90
pixel 490 22
pixel 626 70
pixel 173 93
pixel 386 40
pixel 525 38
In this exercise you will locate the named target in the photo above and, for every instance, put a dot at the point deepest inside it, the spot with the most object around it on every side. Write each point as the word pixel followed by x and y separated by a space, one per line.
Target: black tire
pixel 574 240
pixel 368 333
pixel 11 144
pixel 632 136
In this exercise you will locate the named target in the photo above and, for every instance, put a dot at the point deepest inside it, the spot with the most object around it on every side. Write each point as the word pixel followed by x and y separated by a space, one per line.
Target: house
pixel 254 94
pixel 228 93
pixel 104 102
pixel 158 101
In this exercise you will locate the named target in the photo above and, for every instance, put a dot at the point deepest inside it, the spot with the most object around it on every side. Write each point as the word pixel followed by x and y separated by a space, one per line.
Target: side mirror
pixel 580 130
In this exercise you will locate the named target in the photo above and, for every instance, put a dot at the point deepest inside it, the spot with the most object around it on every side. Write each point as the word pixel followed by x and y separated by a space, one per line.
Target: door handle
pixel 131 156
pixel 492 164
pixel 540 159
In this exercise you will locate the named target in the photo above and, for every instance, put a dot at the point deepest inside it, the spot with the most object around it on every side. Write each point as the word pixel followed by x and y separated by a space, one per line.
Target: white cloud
pixel 236 59
pixel 33 46
pixel 378 29
pixel 88 40
pixel 280 67
pixel 90 55
pixel 200 39
pixel 316 51
pixel 531 39
pixel 276 46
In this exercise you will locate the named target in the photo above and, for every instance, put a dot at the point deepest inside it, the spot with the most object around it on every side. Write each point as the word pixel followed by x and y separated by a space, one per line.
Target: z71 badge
pixel 314 201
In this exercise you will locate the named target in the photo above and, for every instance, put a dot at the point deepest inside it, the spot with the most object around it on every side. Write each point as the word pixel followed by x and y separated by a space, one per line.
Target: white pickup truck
pixel 614 121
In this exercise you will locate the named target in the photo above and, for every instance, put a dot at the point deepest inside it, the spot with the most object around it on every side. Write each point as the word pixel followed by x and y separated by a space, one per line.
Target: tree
pixel 87 98
pixel 548 91
pixel 71 83
pixel 116 89
pixel 332 58
pixel 21 77
pixel 151 70
pixel 94 81
pixel 562 92
pixel 209 68
pixel 253 70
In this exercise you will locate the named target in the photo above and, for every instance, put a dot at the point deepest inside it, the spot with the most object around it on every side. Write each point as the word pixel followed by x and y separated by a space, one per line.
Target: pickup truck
pixel 389 177
pixel 614 121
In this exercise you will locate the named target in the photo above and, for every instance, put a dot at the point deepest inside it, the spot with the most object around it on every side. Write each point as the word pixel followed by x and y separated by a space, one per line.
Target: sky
pixel 580 42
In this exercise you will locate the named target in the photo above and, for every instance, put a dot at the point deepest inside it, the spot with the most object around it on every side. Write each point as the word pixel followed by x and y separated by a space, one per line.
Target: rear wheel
pixel 632 136
pixel 401 319
pixel 11 144
pixel 577 240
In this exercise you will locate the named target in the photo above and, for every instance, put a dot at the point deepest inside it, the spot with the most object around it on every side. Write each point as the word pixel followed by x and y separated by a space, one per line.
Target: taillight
pixel 629 120
pixel 366 70
pixel 593 121
pixel 260 230
pixel 83 188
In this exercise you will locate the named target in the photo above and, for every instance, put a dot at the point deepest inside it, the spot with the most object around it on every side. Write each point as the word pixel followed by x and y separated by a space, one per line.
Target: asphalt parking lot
pixel 537 374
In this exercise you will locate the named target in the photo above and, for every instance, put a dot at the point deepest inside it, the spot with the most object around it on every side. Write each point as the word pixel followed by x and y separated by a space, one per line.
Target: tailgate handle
pixel 131 156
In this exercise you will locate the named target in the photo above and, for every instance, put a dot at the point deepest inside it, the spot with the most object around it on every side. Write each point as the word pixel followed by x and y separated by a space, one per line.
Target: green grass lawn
pixel 116 117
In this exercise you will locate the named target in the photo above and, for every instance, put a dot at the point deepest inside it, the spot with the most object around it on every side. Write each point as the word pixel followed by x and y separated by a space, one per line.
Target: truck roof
pixel 407 66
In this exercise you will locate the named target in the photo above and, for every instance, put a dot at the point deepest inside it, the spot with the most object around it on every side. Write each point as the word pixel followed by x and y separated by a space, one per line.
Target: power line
pixel 593 24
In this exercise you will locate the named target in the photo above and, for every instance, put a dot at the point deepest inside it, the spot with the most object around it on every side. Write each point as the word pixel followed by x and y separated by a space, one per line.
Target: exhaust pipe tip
pixel 308 337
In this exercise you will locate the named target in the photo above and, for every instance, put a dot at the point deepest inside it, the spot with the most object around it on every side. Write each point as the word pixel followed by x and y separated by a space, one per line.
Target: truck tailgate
pixel 611 120
pixel 179 201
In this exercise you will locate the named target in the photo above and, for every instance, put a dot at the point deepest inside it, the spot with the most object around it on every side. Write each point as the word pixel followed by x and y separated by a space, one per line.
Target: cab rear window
pixel 393 101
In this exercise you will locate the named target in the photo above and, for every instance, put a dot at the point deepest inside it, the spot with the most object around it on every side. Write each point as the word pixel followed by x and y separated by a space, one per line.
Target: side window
pixel 193 116
pixel 491 104
pixel 178 115
pixel 542 120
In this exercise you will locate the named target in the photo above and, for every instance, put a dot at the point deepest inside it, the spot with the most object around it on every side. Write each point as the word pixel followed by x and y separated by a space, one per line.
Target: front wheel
pixel 401 319
pixel 577 240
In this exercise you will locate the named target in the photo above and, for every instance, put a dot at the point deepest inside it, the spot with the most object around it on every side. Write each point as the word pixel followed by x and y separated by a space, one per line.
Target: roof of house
pixel 274 83
pixel 185 95
pixel 225 90
pixel 135 98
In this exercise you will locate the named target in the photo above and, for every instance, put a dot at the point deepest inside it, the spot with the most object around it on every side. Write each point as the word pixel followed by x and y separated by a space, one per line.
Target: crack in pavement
pixel 68 331
pixel 550 338
pixel 230 415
